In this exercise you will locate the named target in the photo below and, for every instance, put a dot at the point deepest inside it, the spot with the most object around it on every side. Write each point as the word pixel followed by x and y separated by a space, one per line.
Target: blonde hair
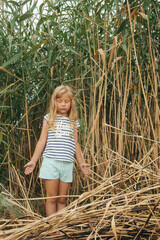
pixel 57 93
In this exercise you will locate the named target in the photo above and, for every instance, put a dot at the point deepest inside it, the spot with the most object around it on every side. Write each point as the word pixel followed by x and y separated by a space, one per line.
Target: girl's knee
pixel 61 200
pixel 51 200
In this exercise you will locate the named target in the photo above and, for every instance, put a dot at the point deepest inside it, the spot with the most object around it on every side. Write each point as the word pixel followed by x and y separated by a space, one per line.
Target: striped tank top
pixel 60 143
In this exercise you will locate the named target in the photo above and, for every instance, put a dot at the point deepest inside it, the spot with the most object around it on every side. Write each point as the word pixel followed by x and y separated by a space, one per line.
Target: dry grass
pixel 124 206
pixel 116 79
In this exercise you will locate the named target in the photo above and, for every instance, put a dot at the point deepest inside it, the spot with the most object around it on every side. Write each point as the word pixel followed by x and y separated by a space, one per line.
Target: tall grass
pixel 108 52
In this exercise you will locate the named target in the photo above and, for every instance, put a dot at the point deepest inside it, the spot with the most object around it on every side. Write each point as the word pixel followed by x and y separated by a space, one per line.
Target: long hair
pixel 57 93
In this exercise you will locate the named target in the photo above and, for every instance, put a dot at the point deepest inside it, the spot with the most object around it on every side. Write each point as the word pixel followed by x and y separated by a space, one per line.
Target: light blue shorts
pixel 54 169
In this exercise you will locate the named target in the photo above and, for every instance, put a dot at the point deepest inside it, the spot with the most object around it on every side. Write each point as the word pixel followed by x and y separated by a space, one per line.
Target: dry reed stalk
pixel 15 176
pixel 139 71
pixel 120 146
pixel 155 91
pixel 114 211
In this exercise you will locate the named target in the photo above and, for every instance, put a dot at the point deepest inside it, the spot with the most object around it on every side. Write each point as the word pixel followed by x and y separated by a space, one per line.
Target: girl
pixel 59 137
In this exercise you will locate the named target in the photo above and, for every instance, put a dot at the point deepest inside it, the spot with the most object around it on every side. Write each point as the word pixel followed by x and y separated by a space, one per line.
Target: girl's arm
pixel 84 166
pixel 38 149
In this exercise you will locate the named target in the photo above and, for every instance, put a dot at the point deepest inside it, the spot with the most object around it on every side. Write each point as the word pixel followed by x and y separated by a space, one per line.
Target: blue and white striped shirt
pixel 60 143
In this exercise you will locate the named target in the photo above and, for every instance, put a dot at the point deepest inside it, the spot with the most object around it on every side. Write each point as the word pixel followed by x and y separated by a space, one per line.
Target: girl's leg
pixel 63 190
pixel 52 189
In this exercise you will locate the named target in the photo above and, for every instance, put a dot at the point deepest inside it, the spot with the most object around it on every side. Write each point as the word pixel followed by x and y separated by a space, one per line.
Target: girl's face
pixel 63 104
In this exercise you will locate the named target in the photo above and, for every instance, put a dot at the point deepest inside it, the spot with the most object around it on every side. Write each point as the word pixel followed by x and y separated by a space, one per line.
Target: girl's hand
pixel 85 167
pixel 29 167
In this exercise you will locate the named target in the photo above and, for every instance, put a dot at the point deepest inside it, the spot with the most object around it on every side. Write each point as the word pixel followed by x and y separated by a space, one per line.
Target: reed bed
pixel 124 206
pixel 108 52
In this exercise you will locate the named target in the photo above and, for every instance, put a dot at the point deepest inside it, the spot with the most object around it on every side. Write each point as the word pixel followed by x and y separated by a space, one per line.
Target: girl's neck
pixel 63 115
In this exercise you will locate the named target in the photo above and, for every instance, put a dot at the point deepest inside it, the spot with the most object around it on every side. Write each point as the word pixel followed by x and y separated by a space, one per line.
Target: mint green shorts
pixel 54 169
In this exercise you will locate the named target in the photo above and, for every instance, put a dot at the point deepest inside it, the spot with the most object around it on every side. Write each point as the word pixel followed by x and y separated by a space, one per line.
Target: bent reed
pixel 108 53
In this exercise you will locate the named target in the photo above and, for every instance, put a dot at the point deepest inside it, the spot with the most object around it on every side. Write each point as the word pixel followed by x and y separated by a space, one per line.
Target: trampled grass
pixel 108 52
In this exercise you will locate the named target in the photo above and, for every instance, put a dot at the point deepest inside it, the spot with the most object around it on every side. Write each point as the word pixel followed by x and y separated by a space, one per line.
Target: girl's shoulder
pixel 77 122
pixel 46 116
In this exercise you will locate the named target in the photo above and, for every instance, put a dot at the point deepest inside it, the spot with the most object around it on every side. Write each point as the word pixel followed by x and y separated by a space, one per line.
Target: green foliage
pixel 43 46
